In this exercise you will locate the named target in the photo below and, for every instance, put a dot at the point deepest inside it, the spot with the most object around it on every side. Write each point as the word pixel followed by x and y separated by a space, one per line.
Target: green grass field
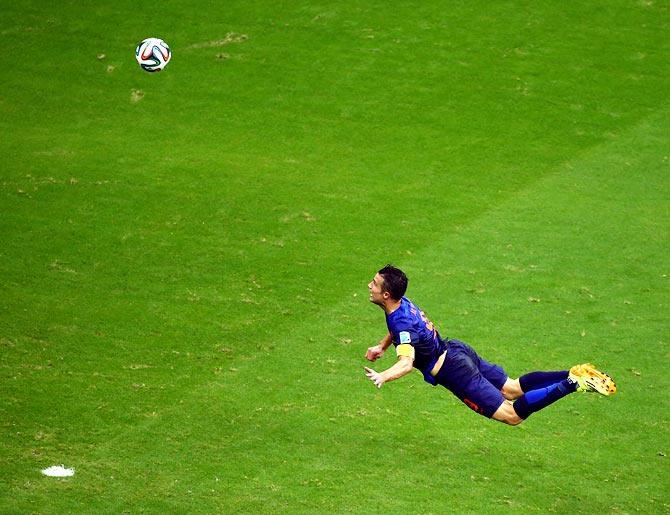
pixel 184 258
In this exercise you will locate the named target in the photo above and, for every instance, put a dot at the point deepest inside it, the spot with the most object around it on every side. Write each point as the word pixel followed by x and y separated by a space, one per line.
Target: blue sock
pixel 535 380
pixel 535 400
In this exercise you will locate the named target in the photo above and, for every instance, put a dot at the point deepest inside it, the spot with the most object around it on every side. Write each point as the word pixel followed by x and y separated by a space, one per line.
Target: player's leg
pixel 524 404
pixel 531 392
pixel 514 413
pixel 462 374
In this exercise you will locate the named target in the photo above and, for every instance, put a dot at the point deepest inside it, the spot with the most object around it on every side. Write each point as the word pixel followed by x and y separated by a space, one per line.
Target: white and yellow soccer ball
pixel 153 54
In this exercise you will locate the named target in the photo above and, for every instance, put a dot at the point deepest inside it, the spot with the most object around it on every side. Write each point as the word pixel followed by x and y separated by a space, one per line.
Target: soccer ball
pixel 153 54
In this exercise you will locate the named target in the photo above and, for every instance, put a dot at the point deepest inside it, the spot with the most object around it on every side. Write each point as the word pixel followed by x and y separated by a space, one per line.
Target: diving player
pixel 482 386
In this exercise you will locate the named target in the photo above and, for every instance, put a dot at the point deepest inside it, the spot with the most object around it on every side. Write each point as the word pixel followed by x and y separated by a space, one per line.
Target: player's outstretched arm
pixel 401 368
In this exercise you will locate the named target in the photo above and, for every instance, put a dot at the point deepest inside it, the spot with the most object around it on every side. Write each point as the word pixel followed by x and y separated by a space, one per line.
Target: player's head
pixel 394 281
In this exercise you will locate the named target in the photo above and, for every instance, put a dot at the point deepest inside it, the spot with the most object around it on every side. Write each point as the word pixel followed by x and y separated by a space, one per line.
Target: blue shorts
pixel 472 379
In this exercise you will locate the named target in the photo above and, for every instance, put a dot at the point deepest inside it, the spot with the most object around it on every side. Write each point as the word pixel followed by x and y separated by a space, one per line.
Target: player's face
pixel 377 295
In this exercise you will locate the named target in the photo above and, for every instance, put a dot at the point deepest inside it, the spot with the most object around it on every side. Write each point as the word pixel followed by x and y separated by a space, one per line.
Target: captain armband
pixel 406 350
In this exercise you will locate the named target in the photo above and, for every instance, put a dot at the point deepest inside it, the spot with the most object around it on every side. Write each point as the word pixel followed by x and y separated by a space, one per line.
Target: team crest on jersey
pixel 404 337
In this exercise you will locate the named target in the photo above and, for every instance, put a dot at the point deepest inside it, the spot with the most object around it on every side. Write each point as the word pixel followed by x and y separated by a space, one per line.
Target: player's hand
pixel 375 377
pixel 374 353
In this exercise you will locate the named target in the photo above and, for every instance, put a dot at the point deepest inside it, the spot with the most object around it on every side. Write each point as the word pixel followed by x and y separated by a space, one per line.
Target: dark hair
pixel 395 281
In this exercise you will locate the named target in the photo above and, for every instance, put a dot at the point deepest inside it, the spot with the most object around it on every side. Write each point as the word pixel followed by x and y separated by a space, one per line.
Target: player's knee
pixel 512 389
pixel 511 419
pixel 507 415
pixel 514 420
